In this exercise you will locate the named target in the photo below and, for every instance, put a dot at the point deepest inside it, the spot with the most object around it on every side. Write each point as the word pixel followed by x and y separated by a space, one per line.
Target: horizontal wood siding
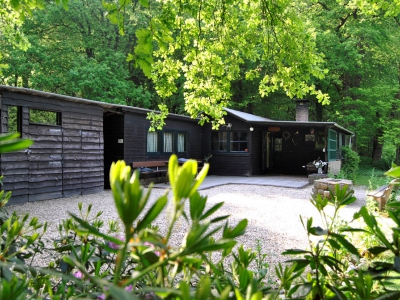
pixel 45 168
pixel 234 164
pixel 135 137
pixel 64 160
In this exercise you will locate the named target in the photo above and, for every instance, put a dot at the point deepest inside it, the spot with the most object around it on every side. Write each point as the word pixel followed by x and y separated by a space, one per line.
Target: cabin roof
pixel 257 120
pixel 108 106
pixel 246 117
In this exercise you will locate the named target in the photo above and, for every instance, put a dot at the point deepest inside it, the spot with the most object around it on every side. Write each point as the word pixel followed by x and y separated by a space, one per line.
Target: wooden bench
pixel 158 169
pixel 382 194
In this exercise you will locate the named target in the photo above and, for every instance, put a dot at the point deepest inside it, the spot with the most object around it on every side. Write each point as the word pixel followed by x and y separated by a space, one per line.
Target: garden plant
pixel 131 258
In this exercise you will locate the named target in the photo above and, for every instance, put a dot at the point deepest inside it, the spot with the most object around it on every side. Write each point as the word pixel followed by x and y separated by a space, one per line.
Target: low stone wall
pixel 322 186
pixel 316 176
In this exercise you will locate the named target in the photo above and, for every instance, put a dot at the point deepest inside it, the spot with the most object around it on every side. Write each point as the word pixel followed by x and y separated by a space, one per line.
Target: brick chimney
pixel 302 110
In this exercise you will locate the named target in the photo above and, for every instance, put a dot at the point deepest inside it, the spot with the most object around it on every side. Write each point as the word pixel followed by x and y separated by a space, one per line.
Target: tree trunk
pixel 377 146
pixel 318 111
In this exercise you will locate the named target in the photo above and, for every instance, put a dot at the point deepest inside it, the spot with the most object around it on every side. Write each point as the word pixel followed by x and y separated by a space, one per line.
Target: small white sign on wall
pixel 120 141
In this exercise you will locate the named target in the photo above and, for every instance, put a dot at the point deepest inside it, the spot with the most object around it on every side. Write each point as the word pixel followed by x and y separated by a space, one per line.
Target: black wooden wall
pixel 296 151
pixel 135 136
pixel 64 161
pixel 234 164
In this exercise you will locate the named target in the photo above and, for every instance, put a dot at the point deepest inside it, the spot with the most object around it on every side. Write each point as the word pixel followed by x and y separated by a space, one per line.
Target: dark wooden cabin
pixel 127 137
pixel 66 158
pixel 76 140
pixel 251 145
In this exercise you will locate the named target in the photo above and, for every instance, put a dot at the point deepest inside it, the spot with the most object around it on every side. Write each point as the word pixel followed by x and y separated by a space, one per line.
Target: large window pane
pixel 238 141
pixel 168 141
pixel 152 141
pixel 181 142
pixel 219 141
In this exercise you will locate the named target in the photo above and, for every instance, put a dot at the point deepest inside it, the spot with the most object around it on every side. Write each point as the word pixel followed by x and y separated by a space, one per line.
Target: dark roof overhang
pixel 257 120
pixel 305 124
pixel 118 108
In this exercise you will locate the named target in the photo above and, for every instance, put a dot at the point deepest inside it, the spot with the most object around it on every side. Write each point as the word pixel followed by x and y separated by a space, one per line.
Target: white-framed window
pixel 152 142
pixel 168 142
pixel 181 142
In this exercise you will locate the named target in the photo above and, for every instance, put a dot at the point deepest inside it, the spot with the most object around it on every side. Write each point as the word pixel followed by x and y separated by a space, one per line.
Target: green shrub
pixel 137 261
pixel 351 161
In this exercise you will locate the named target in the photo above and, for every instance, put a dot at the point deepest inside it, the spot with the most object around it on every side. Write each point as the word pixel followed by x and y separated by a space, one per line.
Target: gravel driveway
pixel 273 213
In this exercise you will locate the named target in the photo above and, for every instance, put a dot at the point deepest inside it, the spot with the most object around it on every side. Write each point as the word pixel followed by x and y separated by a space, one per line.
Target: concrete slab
pixel 287 181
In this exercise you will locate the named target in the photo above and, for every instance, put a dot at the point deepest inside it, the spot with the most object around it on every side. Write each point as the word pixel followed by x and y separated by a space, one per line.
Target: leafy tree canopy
pixel 207 42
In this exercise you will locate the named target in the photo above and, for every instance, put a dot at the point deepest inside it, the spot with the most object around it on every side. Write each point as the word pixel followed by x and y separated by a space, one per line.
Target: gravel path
pixel 273 213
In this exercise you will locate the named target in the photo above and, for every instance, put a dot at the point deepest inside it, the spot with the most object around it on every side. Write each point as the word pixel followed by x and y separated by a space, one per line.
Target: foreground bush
pixel 93 261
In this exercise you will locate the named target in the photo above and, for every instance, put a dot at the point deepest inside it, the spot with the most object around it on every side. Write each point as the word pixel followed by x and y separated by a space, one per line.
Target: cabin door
pixel 45 162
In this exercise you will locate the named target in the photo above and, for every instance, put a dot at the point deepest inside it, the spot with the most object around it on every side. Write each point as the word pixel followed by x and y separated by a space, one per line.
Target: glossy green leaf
pixel 377 250
pixel 394 172
pixel 339 294
pixel 295 252
pixel 330 261
pixel 212 210
pixel 95 231
pixel 172 170
pixel 300 290
pixel 219 219
pixel 153 213
pixel 197 205
pixel 185 290
pixel 334 244
pixel 346 244
pixel 203 289
pixel 368 219
pixel 14 145
pixel 238 230
pixel 220 245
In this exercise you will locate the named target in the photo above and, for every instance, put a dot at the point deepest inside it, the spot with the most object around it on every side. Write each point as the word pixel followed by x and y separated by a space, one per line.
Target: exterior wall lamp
pixel 251 128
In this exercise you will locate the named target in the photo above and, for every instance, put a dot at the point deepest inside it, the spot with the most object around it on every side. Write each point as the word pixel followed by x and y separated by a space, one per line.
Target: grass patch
pixel 371 177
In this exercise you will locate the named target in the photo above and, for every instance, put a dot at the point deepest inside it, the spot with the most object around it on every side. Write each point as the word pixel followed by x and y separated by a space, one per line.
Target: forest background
pixel 195 57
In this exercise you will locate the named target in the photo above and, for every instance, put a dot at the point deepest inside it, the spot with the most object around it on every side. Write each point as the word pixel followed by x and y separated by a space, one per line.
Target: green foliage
pixel 157 119
pixel 89 260
pixel 11 142
pixel 44 117
pixel 331 259
pixel 351 161
pixel 208 45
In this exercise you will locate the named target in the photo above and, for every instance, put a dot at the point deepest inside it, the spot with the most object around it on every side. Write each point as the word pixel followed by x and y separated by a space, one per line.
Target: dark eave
pixel 305 124
pixel 257 120
pixel 106 106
